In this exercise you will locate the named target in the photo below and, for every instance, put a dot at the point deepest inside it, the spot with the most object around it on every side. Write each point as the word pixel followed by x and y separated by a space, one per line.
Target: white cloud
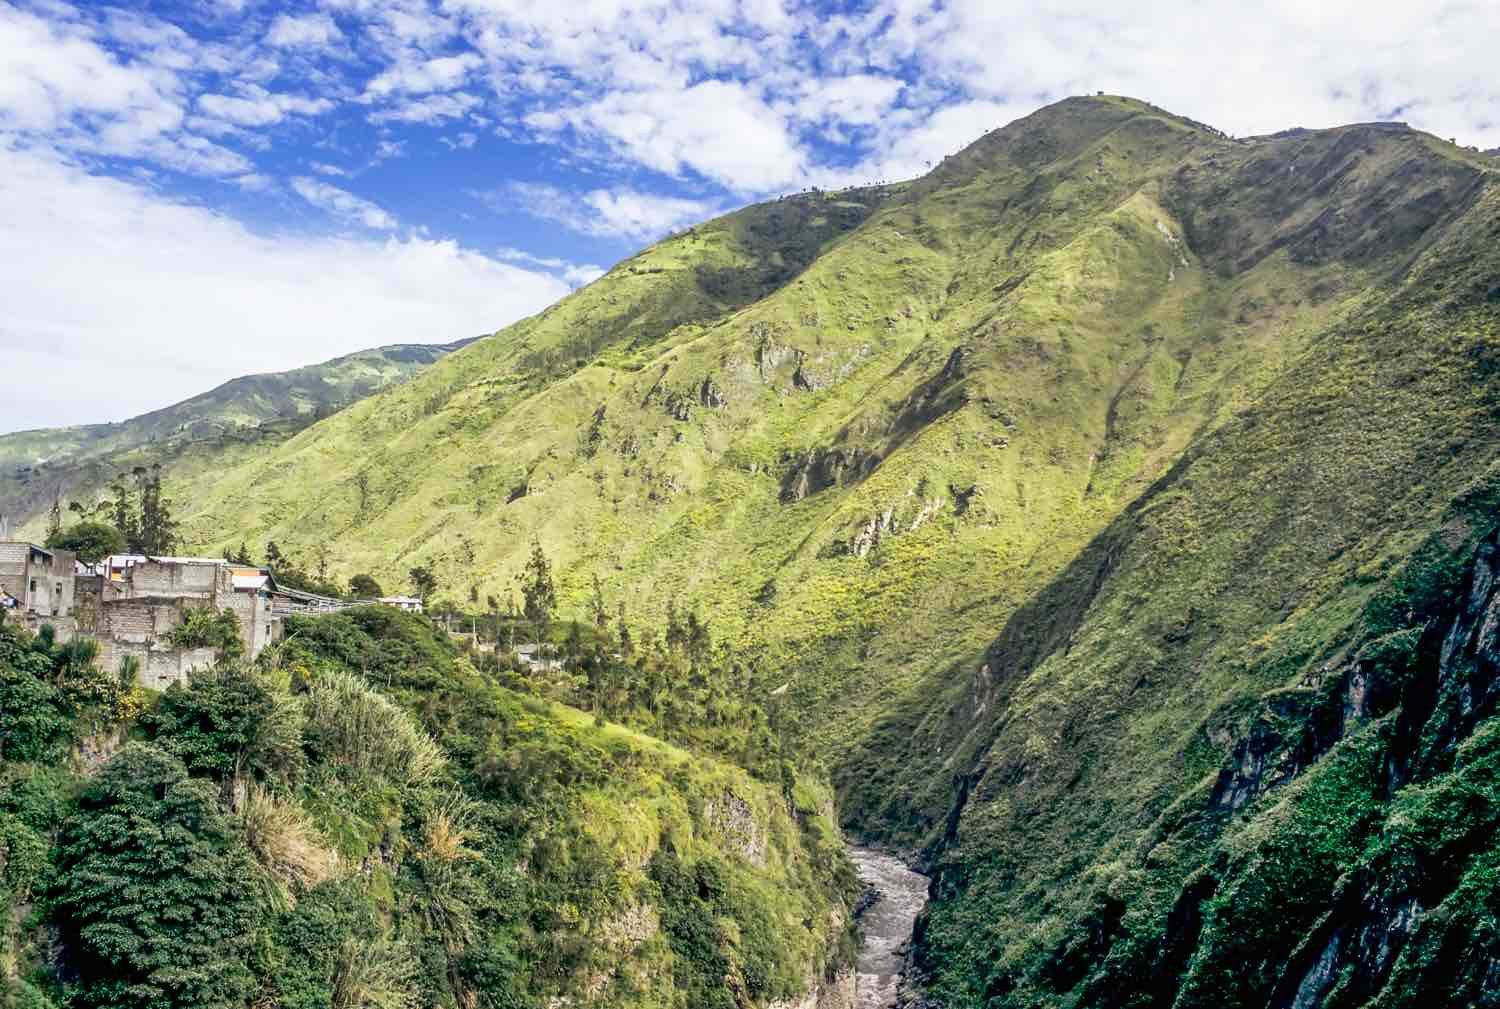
pixel 259 107
pixel 119 301
pixel 431 109
pixel 306 30
pixel 344 204
pixel 441 74
pixel 579 275
pixel 621 213
pixel 722 130
pixel 52 74
pixel 323 168
pixel 576 274
pixel 462 142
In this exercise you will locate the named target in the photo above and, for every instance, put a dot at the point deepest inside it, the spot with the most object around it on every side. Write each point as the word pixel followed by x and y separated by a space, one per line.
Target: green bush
pixel 154 890
pixel 206 628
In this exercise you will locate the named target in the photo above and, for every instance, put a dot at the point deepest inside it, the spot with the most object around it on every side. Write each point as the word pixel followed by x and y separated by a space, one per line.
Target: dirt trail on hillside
pixel 887 926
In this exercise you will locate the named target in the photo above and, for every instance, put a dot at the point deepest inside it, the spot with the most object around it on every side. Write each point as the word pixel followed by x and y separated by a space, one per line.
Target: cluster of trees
pixel 675 682
pixel 135 518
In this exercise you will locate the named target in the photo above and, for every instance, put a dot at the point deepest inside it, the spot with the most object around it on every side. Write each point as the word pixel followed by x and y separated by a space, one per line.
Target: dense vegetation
pixel 366 819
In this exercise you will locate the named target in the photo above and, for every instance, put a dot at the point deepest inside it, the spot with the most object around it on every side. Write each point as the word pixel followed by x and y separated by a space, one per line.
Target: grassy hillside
pixel 1058 485
pixel 207 432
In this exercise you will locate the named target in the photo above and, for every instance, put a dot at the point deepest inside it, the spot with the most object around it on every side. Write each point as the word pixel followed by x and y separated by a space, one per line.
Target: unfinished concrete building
pixel 131 604
pixel 36 584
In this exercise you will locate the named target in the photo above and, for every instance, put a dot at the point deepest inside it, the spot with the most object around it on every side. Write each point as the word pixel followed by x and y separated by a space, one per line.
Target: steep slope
pixel 1148 789
pixel 442 840
pixel 1064 487
pixel 861 465
pixel 206 431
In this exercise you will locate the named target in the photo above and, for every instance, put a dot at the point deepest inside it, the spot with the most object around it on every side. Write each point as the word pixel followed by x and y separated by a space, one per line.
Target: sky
pixel 194 191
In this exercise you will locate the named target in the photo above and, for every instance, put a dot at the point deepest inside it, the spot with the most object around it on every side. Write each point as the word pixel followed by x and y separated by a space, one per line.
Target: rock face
pixel 735 821
pixel 1357 810
pixel 836 994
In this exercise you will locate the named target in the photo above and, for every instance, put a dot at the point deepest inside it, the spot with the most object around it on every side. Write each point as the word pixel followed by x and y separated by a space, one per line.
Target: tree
pixel 597 607
pixel 54 518
pixel 91 541
pixel 225 725
pixel 155 890
pixel 158 529
pixel 538 593
pixel 676 633
pixel 123 513
pixel 365 587
pixel 423 582
pixel 627 646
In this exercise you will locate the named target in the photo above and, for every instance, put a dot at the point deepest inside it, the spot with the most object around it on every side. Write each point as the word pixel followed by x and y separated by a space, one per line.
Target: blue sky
pixel 193 191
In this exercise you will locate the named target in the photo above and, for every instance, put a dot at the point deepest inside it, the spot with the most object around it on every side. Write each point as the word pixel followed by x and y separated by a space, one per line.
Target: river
pixel 887 926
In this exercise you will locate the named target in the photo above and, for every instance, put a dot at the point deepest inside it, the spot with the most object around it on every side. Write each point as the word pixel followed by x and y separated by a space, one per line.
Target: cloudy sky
pixel 192 191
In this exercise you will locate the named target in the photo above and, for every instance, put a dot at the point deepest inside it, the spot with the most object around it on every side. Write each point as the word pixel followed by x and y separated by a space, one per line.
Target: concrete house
pixel 132 603
pixel 36 583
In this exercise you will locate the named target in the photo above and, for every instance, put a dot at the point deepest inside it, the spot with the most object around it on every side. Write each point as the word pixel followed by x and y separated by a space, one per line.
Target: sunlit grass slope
pixel 207 432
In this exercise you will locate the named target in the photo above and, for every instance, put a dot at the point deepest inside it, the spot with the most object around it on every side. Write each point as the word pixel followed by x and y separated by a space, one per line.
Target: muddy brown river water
pixel 887 926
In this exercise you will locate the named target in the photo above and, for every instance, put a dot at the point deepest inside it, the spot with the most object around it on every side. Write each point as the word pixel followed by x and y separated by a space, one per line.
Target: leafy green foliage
pixel 91 541
pixel 224 724
pixel 153 889
pixel 203 627
pixel 365 587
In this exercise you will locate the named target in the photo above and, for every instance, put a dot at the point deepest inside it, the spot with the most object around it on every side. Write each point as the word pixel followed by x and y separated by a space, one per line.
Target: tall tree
pixel 365 587
pixel 54 518
pixel 423 582
pixel 158 529
pixel 538 593
pixel 155 890
pixel 124 515
pixel 597 607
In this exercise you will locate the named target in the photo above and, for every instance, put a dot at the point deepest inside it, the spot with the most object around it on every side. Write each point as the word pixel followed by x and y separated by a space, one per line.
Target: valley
pixel 1107 518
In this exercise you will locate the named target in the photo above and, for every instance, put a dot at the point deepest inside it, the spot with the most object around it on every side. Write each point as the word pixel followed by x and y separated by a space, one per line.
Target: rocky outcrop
pixel 735 822
pixel 835 994
pixel 821 468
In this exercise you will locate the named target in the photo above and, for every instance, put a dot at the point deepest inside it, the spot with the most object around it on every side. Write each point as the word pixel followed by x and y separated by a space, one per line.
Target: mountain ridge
pixel 41 464
pixel 1094 509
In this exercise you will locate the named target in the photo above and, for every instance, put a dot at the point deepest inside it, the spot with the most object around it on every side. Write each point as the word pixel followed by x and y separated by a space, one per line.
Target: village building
pixel 131 604
pixel 411 604
pixel 36 584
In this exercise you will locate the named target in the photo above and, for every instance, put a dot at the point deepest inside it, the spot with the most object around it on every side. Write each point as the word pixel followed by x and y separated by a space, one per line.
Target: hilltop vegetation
pixel 206 432
pixel 1111 511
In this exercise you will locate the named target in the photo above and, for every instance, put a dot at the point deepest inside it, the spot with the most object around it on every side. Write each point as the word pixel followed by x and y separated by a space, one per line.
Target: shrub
pixel 206 628
pixel 356 726
pixel 154 889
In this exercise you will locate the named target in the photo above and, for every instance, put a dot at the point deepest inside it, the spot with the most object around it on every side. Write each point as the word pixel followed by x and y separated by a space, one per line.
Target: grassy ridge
pixel 207 432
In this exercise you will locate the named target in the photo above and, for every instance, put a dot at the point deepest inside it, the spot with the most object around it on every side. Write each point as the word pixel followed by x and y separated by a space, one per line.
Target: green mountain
pixel 205 432
pixel 1116 504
